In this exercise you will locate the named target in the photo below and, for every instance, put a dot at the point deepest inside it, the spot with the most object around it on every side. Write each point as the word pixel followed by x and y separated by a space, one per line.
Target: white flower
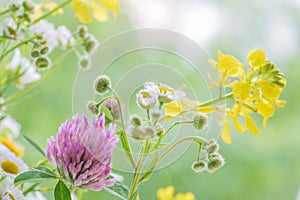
pixel 9 127
pixel 23 65
pixel 64 36
pixel 165 93
pixel 10 165
pixel 11 29
pixel 9 192
pixel 35 196
pixel 48 32
pixel 146 98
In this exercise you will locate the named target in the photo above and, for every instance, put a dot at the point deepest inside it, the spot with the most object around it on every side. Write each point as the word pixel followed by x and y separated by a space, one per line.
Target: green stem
pixel 51 12
pixel 131 159
pixel 167 131
pixel 197 139
pixel 4 12
pixel 18 45
pixel 138 169
pixel 216 100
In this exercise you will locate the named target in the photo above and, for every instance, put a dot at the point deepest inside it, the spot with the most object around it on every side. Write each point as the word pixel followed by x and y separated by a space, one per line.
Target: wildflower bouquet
pixel 79 158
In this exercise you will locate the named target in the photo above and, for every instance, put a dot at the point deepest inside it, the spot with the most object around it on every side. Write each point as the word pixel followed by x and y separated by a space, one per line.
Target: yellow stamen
pixel 164 90
pixel 145 94
pixel 11 146
pixel 10 167
pixel 10 196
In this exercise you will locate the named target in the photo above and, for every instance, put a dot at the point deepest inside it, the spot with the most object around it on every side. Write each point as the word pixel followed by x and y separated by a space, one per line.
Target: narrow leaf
pixel 133 196
pixel 126 147
pixel 35 176
pixel 107 113
pixel 34 145
pixel 61 191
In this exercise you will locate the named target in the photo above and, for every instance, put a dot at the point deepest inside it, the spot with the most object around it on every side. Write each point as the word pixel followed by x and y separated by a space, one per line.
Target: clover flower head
pixel 82 152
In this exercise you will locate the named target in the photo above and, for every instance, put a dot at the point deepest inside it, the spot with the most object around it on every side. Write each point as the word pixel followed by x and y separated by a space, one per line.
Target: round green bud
pixel 102 84
pixel 199 166
pixel 42 62
pixel 156 114
pixel 28 6
pixel 212 146
pixel 135 120
pixel 35 53
pixel 82 31
pixel 44 50
pixel 92 107
pixel 215 162
pixel 90 46
pixel 136 132
pixel 14 7
pixel 200 121
pixel 149 132
pixel 159 131
pixel 84 63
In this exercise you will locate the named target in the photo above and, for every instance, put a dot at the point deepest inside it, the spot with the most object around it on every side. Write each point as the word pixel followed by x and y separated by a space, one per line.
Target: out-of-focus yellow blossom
pixel 11 146
pixel 45 5
pixel 168 194
pixel 254 90
pixel 86 9
pixel 165 193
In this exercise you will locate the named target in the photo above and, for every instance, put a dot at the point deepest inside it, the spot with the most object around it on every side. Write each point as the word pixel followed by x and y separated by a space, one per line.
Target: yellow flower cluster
pixel 168 194
pixel 45 5
pixel 85 9
pixel 255 89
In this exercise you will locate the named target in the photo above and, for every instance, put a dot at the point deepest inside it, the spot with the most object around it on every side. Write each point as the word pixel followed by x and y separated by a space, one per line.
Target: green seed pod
pixel 199 166
pixel 84 63
pixel 82 31
pixel 14 7
pixel 44 50
pixel 28 6
pixel 102 84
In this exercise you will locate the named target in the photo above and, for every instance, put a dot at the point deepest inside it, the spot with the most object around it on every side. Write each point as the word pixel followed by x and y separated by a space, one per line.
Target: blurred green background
pixel 260 167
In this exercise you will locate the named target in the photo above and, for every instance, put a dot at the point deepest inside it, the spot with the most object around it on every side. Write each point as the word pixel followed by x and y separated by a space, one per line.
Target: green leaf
pixel 146 176
pixel 107 113
pixel 34 145
pixel 45 169
pixel 61 191
pixel 37 175
pixel 126 147
pixel 119 190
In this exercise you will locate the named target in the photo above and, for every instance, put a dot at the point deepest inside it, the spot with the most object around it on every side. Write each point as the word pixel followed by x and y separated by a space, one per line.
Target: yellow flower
pixel 256 58
pixel 165 193
pixel 11 146
pixel 168 194
pixel 229 65
pixel 186 196
pixel 45 5
pixel 240 90
pixel 98 9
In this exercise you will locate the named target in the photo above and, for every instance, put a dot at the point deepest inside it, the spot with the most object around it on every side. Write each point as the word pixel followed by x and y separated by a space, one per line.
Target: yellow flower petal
pixel 173 108
pixel 238 126
pixel 207 109
pixel 165 193
pixel 186 196
pixel 229 64
pixel 11 146
pixel 266 110
pixel 280 103
pixel 82 11
pixel 240 90
pixel 256 58
pixel 99 13
pixel 226 133
pixel 270 90
pixel 250 125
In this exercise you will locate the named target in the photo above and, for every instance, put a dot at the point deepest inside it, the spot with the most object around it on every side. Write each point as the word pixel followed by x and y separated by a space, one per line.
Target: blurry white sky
pixel 236 26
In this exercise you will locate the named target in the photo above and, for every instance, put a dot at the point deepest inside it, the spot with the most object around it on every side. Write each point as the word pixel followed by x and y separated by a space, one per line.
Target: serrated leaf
pixel 34 145
pixel 62 192
pixel 35 176
pixel 119 190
